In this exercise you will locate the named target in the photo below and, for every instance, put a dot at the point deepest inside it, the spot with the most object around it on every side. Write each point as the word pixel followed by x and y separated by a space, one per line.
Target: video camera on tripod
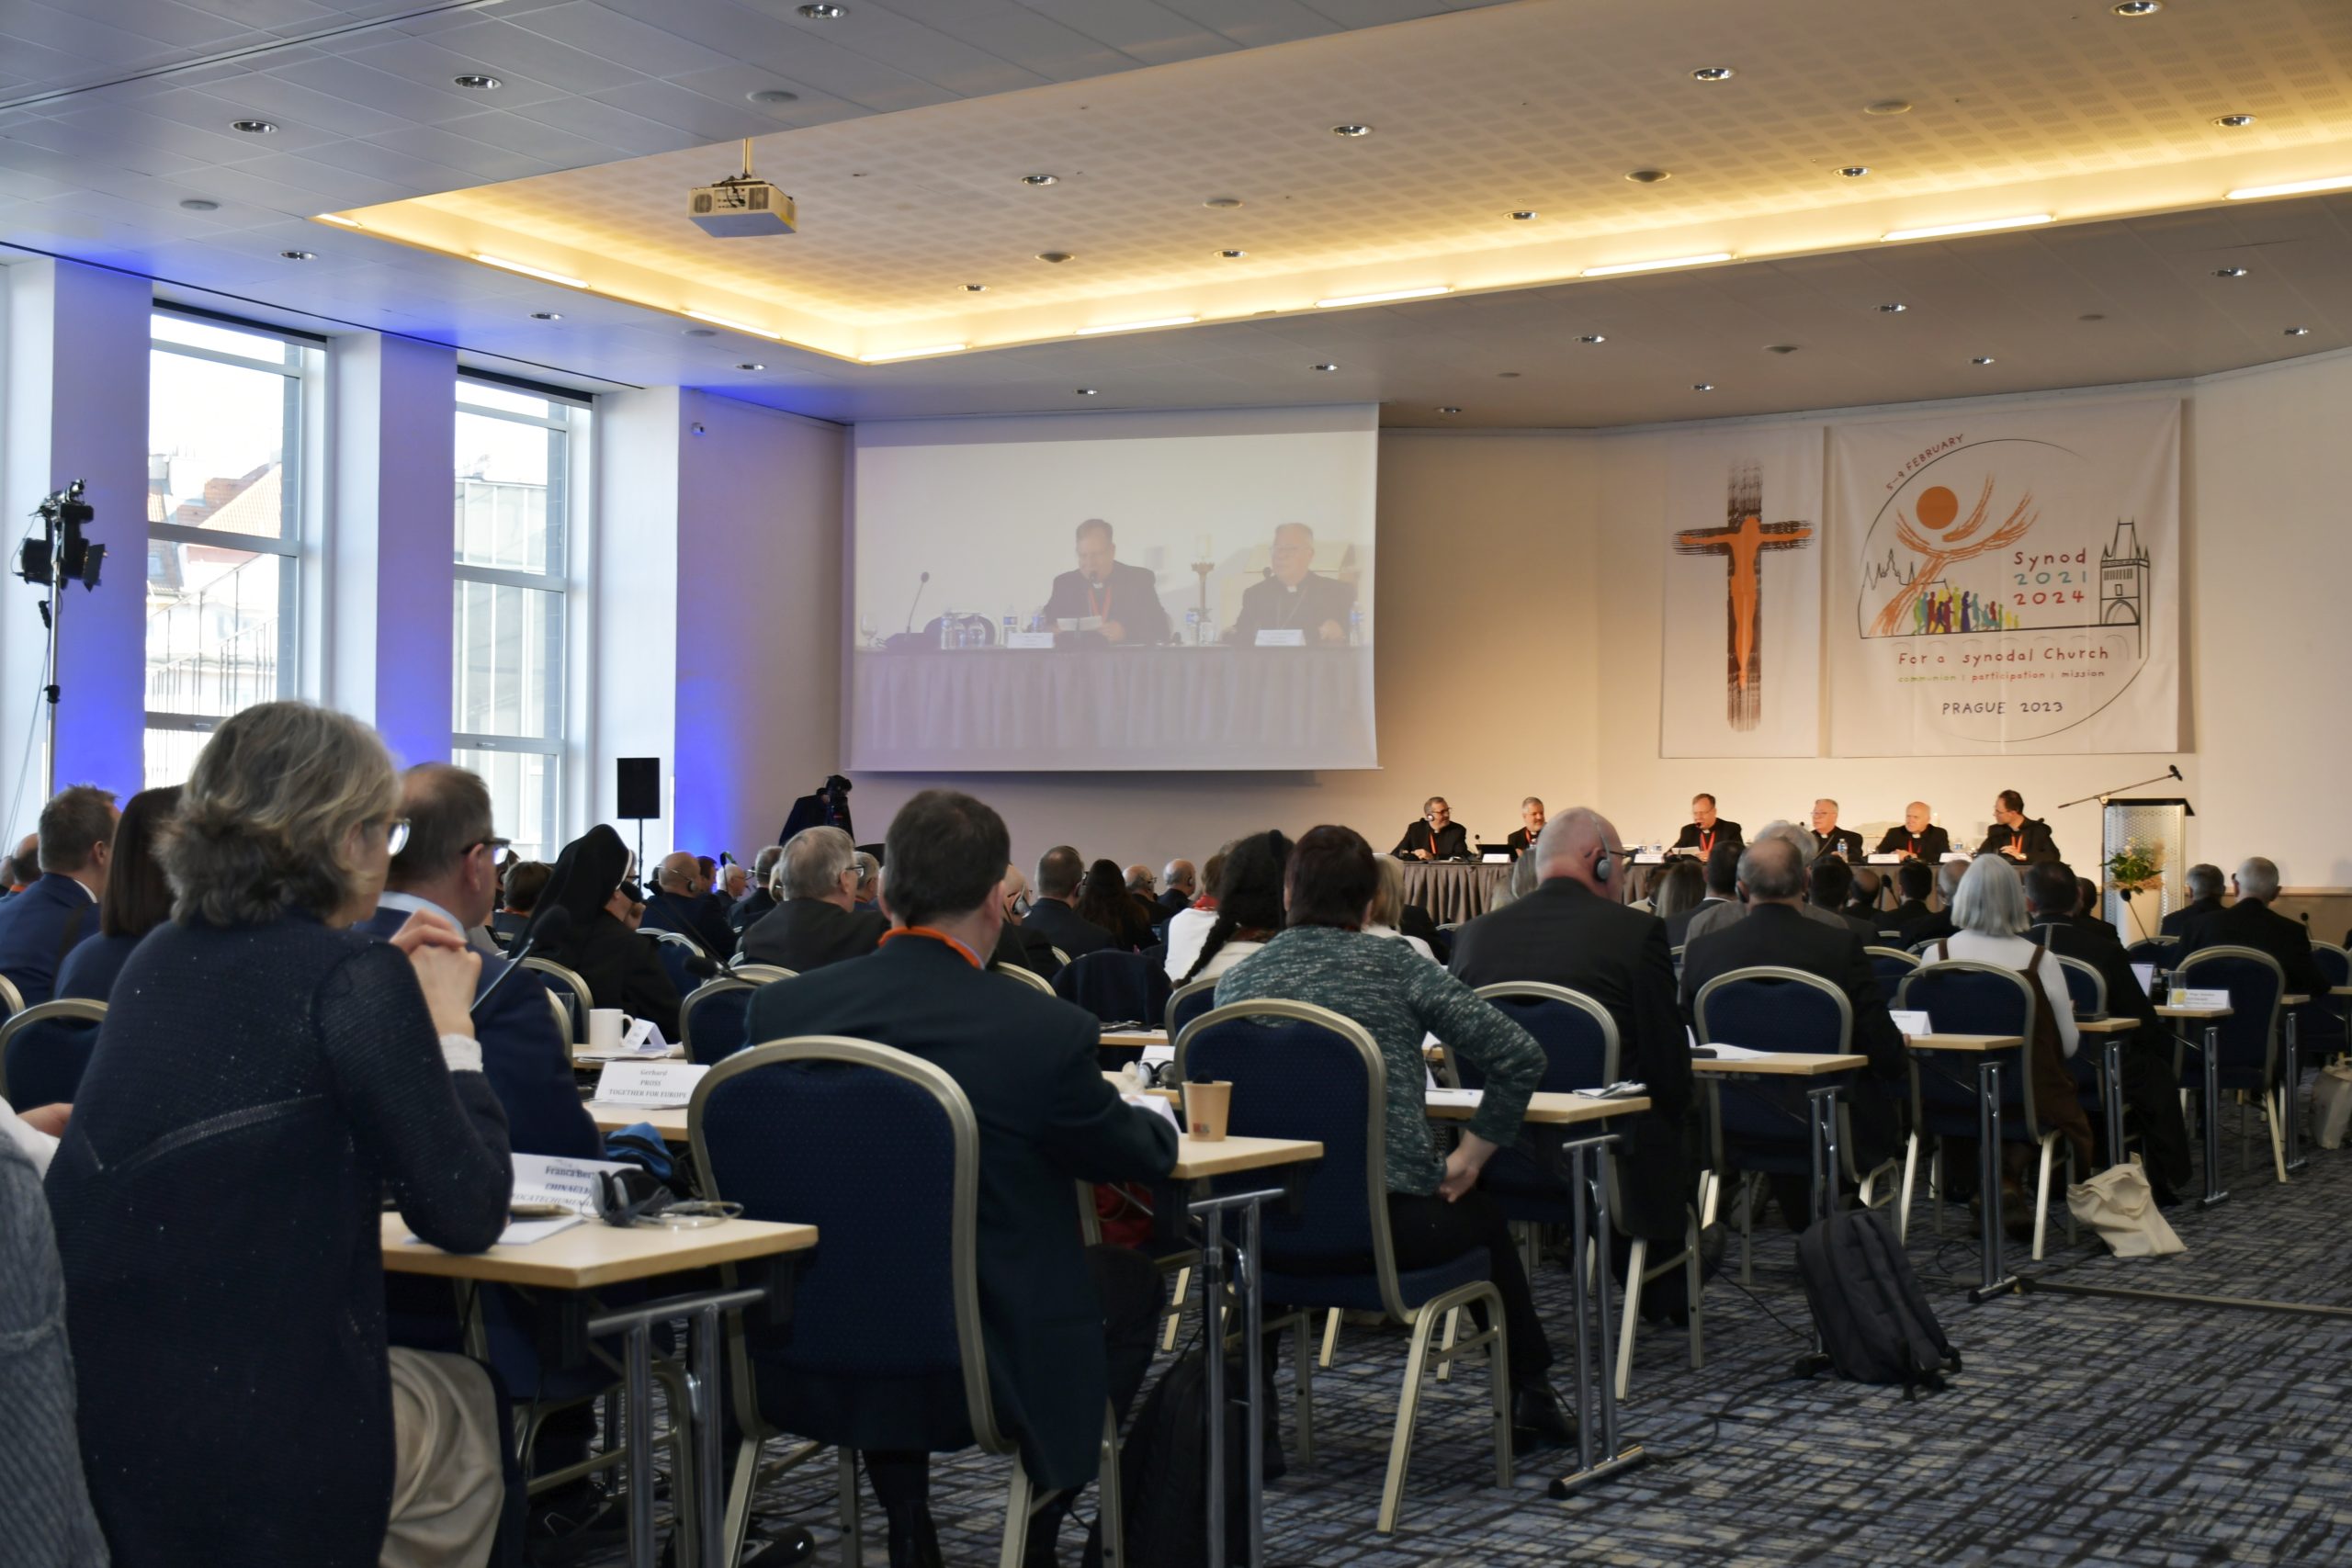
pixel 62 555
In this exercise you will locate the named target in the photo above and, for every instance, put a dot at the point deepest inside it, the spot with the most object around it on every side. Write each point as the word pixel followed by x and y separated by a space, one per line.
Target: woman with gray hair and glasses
pixel 266 1075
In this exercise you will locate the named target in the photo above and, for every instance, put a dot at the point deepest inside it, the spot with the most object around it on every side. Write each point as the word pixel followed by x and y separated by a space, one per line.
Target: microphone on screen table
pixel 553 921
pixel 919 583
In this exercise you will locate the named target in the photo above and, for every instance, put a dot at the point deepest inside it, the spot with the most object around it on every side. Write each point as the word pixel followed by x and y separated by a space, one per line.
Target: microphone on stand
pixel 919 583
pixel 553 921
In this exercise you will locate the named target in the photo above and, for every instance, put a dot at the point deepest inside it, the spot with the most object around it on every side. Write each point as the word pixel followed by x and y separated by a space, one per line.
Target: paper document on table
pixel 1158 1104
pixel 1469 1098
pixel 1735 1052
pixel 1614 1091
pixel 521 1232
pixel 549 1179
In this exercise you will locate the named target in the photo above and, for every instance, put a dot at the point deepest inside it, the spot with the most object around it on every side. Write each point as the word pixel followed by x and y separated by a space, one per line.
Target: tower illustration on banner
pixel 1743 542
pixel 2123 581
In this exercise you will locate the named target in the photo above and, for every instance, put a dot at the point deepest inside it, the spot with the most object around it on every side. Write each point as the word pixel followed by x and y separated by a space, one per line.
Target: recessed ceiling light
pixel 751 364
pixel 253 127
pixel 1973 226
pixel 1326 367
pixel 529 271
pixel 1702 386
pixel 1041 179
pixel 975 289
pixel 201 204
pixel 1981 359
pixel 697 331
pixel 1352 130
pixel 886 358
pixel 547 315
pixel 1223 202
pixel 1522 214
pixel 1138 326
pixel 1447 408
pixel 2298 332
pixel 336 218
pixel 476 84
pixel 1339 300
pixel 1888 106
pixel 1506 375
pixel 2229 272
pixel 2234 121
pixel 1713 73
pixel 2138 8
pixel 2297 187
pixel 1649 176
pixel 1855 171
pixel 1892 308
pixel 1781 347
pixel 1054 255
pixel 823 13
pixel 773 96
pixel 1594 337
pixel 1615 268
pixel 299 255
pixel 1086 391
pixel 2092 316
pixel 1232 255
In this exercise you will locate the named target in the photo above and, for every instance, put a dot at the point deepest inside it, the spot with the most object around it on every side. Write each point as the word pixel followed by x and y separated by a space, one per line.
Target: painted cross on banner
pixel 1742 542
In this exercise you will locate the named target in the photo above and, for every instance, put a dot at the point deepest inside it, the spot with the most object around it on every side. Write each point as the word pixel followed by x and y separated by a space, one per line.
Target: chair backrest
pixel 1579 1038
pixel 880 1151
pixel 1301 1071
pixel 569 990
pixel 44 1048
pixel 562 1016
pixel 1061 959
pixel 714 1018
pixel 1772 1008
pixel 761 974
pixel 2085 987
pixel 1963 996
pixel 2334 964
pixel 1028 977
pixel 1889 964
pixel 678 955
pixel 678 938
pixel 12 1000
pixel 1187 1002
pixel 1116 987
pixel 2249 1036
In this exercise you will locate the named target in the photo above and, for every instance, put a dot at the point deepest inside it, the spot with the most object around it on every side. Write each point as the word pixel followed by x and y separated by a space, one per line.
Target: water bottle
pixel 1012 625
pixel 1355 625
pixel 946 630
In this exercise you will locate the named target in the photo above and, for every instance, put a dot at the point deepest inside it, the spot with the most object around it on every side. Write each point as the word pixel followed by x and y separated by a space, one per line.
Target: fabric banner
pixel 1741 671
pixel 2007 581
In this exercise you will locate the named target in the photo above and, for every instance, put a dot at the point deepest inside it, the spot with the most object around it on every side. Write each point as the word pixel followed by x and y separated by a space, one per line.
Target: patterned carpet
pixel 2080 1430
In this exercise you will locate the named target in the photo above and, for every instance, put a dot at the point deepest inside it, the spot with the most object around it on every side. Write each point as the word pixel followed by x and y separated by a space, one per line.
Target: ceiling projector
pixel 740 206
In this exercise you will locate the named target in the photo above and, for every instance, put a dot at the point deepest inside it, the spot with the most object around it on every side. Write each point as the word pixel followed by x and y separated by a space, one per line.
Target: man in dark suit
pixel 1573 932
pixel 448 869
pixel 1828 838
pixel 1124 598
pixel 818 921
pixel 2203 886
pixel 1776 932
pixel 1705 830
pixel 679 904
pixel 1293 597
pixel 1721 905
pixel 2249 922
pixel 1059 871
pixel 2150 1089
pixel 39 926
pixel 761 898
pixel 1937 924
pixel 1437 836
pixel 1828 884
pixel 1183 885
pixel 1913 879
pixel 1065 1325
pixel 2025 840
pixel 1917 836
pixel 1523 838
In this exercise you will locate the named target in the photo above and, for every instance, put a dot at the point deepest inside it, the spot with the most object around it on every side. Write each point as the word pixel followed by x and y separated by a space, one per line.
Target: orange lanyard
pixel 970 956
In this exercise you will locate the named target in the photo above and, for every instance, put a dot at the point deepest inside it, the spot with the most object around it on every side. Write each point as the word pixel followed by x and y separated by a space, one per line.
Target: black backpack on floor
pixel 1875 1326
pixel 1163 1467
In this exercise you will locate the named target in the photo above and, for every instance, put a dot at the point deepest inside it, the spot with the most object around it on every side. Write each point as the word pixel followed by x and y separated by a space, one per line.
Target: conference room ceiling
pixel 912 122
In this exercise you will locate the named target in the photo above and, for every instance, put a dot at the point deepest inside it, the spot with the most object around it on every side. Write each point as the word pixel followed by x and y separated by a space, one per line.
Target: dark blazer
pixel 1065 928
pixel 525 1058
pixel 1518 842
pixel 1270 606
pixel 2095 943
pixel 623 970
pixel 1861 926
pixel 1776 933
pixel 89 971
pixel 1024 949
pixel 1450 842
pixel 746 911
pixel 1930 928
pixel 1838 841
pixel 39 926
pixel 1906 915
pixel 1171 901
pixel 801 934
pixel 1562 934
pixel 1047 1119
pixel 1677 926
pixel 2032 833
pixel 2188 914
pixel 1725 831
pixel 1133 602
pixel 1930 846
pixel 255 1093
pixel 700 919
pixel 2250 922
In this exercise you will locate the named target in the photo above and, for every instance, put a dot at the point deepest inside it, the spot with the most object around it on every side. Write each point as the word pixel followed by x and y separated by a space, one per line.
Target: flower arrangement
pixel 2134 870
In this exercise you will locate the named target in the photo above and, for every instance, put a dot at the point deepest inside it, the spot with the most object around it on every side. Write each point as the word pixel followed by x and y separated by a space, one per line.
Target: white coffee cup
pixel 603 1029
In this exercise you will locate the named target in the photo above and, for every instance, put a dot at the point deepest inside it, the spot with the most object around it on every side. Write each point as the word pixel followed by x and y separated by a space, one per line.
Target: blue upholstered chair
pixel 1116 987
pixel 880 1151
pixel 568 989
pixel 713 1018
pixel 1963 996
pixel 2323 1032
pixel 44 1050
pixel 1888 966
pixel 2249 1057
pixel 1299 1071
pixel 1022 977
pixel 678 953
pixel 1187 1002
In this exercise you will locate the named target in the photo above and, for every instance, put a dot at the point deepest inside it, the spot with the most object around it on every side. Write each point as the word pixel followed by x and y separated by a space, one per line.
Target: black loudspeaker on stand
pixel 637 780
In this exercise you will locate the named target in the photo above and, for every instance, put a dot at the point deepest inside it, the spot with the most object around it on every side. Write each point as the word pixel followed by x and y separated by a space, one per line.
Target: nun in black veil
pixel 622 968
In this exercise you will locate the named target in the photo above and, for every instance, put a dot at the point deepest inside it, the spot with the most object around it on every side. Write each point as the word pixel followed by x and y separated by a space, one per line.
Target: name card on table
pixel 1649 857
pixel 1908 1023
pixel 1028 639
pixel 1888 859
pixel 1293 638
pixel 550 1178
pixel 2196 996
pixel 649 1086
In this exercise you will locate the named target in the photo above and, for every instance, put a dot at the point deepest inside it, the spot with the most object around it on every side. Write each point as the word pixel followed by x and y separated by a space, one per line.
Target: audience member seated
pixel 445 870
pixel 1248 907
pixel 869 882
pixel 1828 882
pixel 518 898
pixel 2252 922
pixel 601 944
pixel 1181 886
pixel 49 1519
pixel 1938 923
pixel 1679 893
pixel 1388 908
pixel 1105 902
pixel 1016 944
pixel 2203 886
pixel 1777 932
pixel 1913 880
pixel 1572 932
pixel 1436 1210
pixel 2150 1089
pixel 818 921
pixel 265 1077
pixel 41 925
pixel 682 903
pixel 1188 928
pixel 136 901
pixel 24 867
pixel 1722 905
pixel 1863 897
pixel 1065 1325
pixel 1060 872
pixel 761 898
pixel 733 887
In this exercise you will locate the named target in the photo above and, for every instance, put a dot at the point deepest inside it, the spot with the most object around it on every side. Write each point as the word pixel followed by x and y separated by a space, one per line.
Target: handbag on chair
pixel 2331 1106
pixel 2120 1205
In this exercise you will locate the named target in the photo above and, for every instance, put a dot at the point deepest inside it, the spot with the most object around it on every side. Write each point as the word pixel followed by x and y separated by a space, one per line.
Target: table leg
pixel 712 1524
pixel 1581 1279
pixel 637 1356
pixel 2110 1066
pixel 1825 1151
pixel 1593 1221
pixel 1213 1345
pixel 2290 1123
pixel 1996 1280
pixel 1608 1392
pixel 2211 1116
pixel 1252 1334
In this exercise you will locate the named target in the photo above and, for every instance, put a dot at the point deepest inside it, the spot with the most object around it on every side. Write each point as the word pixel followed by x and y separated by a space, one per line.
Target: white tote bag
pixel 2118 1203
pixel 2332 1105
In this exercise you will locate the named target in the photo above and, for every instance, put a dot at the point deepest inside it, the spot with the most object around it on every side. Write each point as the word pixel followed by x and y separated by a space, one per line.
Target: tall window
pixel 225 476
pixel 513 527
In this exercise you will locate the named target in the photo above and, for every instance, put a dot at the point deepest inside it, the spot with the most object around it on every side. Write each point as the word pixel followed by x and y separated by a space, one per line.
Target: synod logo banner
pixel 2007 581
pixel 1741 666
